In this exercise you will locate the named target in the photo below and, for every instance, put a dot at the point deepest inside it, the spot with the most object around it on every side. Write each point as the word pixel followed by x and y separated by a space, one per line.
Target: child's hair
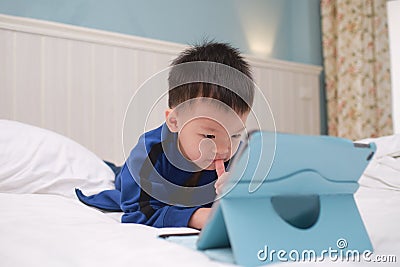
pixel 212 52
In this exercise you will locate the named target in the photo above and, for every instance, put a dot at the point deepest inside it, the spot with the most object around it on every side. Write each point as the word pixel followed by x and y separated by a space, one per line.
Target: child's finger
pixel 219 167
pixel 219 184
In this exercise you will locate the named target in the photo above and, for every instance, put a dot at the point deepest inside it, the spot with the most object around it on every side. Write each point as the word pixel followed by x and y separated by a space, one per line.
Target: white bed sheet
pixel 50 230
pixel 55 230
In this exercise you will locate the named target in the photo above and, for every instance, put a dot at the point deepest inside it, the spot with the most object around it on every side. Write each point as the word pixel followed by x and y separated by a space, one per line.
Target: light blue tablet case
pixel 305 202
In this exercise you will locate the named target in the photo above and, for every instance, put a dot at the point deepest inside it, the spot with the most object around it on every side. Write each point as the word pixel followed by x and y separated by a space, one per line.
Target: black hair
pixel 186 83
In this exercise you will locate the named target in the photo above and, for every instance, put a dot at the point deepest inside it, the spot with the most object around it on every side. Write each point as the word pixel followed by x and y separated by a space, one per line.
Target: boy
pixel 165 180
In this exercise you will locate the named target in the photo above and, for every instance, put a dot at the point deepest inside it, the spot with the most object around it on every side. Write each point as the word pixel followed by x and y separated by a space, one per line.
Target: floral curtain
pixel 357 68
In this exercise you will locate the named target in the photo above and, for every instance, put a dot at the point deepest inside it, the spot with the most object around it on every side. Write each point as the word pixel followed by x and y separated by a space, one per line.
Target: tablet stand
pixel 302 210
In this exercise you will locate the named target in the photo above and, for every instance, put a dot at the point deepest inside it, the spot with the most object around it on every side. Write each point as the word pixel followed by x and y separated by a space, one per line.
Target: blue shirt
pixel 156 186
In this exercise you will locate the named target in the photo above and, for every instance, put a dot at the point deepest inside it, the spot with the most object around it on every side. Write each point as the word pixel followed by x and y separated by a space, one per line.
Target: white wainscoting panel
pixel 78 82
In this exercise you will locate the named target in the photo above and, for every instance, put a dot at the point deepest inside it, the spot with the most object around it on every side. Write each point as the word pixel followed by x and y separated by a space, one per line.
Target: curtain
pixel 357 68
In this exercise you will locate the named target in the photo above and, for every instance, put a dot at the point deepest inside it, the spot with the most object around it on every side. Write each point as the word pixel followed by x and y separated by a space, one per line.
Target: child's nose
pixel 223 151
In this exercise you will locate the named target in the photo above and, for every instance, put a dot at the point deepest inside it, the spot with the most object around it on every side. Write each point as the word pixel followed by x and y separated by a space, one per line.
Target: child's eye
pixel 210 136
pixel 236 136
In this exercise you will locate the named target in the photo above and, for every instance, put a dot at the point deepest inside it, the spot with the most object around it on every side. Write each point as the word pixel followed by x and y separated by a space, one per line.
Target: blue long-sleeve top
pixel 145 188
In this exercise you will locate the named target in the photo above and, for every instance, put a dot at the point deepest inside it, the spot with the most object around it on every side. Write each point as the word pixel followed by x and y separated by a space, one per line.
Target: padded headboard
pixel 78 82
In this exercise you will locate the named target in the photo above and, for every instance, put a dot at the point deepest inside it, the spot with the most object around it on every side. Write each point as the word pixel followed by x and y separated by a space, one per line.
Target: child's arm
pixel 199 218
pixel 138 207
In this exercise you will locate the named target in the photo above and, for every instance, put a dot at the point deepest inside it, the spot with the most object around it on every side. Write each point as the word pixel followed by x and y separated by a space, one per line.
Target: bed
pixel 43 223
pixel 64 91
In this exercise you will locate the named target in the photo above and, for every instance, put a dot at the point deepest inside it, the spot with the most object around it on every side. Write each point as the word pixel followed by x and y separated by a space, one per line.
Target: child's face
pixel 207 133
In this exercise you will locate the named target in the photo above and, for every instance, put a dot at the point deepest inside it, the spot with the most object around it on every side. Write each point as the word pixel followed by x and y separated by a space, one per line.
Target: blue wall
pixel 282 29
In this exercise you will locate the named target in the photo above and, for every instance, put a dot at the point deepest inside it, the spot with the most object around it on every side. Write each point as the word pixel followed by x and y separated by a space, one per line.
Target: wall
pixel 78 82
pixel 283 29
pixel 280 29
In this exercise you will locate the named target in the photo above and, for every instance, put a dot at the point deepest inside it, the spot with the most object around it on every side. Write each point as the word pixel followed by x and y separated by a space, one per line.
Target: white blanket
pixel 50 230
pixel 43 224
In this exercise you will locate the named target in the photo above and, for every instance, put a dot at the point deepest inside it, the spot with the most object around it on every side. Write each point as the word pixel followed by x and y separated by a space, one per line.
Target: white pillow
pixel 35 160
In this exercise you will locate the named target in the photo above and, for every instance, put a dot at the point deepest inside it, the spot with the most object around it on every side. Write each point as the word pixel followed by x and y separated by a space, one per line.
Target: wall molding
pixel 79 82
pixel 77 33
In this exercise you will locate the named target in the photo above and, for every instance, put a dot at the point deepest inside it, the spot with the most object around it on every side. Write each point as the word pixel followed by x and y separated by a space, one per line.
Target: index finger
pixel 219 167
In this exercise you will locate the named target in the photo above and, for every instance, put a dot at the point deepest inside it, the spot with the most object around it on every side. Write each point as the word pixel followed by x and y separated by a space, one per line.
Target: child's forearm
pixel 199 218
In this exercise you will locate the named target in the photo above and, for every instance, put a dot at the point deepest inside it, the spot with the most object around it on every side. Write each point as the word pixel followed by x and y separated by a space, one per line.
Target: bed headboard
pixel 78 82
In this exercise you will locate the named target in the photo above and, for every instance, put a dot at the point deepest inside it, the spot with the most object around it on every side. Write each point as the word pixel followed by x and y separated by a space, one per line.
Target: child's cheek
pixel 235 146
pixel 206 149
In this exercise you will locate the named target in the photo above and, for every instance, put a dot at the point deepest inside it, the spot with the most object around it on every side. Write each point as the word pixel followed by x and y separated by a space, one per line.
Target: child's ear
pixel 171 120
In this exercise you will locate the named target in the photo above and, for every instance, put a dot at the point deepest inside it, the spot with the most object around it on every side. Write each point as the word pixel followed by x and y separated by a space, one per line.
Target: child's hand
pixel 199 218
pixel 222 176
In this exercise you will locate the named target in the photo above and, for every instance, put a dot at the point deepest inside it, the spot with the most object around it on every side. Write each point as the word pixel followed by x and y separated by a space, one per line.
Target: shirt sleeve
pixel 139 207
pixel 142 185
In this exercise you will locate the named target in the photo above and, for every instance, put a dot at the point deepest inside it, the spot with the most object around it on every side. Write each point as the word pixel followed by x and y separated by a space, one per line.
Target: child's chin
pixel 211 167
pixel 206 166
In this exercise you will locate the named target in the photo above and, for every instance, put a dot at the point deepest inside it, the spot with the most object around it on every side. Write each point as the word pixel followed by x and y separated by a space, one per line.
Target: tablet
pixel 290 184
